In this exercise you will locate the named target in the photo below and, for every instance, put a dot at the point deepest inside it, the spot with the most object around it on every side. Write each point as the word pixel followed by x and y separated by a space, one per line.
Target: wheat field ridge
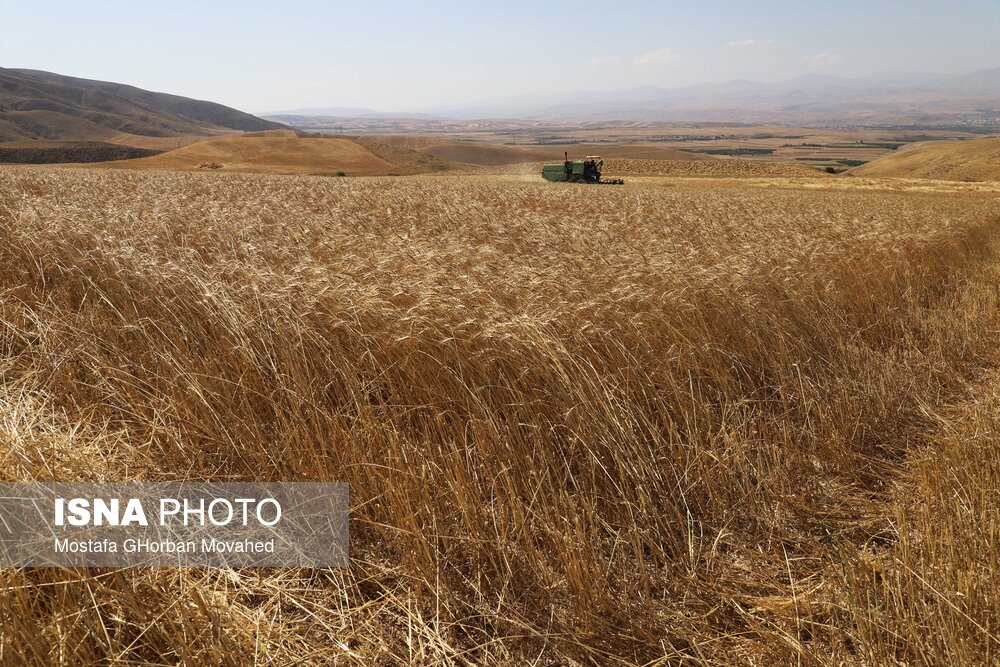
pixel 693 423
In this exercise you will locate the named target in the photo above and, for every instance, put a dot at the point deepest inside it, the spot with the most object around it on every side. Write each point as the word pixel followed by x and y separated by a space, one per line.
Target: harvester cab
pixel 587 170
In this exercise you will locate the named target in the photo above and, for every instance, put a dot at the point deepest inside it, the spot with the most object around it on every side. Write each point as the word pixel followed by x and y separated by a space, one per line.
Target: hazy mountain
pixel 888 98
pixel 342 112
pixel 885 98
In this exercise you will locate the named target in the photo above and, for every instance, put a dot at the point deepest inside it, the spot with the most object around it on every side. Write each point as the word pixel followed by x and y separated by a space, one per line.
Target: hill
pixel 972 160
pixel 43 105
pixel 285 153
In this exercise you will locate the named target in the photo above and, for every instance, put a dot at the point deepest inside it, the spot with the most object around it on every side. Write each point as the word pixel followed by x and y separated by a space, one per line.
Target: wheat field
pixel 716 424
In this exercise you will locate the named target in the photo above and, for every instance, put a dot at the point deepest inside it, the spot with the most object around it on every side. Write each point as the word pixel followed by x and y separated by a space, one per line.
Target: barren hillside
pixel 972 160
pixel 43 105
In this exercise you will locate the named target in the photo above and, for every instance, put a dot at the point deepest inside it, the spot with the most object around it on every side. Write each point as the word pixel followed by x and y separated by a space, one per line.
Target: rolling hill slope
pixel 972 160
pixel 42 105
pixel 282 154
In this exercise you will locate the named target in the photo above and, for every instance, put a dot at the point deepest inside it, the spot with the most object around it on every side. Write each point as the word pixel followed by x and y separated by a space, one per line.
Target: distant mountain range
pixel 344 112
pixel 892 98
pixel 899 98
pixel 43 105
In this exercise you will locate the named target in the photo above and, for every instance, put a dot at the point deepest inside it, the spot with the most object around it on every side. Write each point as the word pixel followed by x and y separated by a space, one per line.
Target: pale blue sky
pixel 418 55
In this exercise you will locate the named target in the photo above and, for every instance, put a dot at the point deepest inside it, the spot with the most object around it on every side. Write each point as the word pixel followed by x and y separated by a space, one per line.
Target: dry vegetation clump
pixel 591 425
pixel 931 596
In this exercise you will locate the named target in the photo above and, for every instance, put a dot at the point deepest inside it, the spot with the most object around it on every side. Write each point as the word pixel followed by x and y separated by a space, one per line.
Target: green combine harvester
pixel 587 170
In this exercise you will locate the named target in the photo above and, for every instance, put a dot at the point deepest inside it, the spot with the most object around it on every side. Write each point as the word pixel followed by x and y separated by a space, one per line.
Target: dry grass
pixel 580 425
pixel 924 590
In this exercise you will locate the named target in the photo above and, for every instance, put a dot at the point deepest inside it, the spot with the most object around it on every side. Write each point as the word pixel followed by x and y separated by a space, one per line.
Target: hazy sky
pixel 421 54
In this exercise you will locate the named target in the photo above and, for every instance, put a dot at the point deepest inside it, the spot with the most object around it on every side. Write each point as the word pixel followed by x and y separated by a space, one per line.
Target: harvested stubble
pixel 718 168
pixel 579 424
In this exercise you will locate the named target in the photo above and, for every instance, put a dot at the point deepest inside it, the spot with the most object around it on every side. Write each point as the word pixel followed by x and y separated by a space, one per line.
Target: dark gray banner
pixel 176 524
